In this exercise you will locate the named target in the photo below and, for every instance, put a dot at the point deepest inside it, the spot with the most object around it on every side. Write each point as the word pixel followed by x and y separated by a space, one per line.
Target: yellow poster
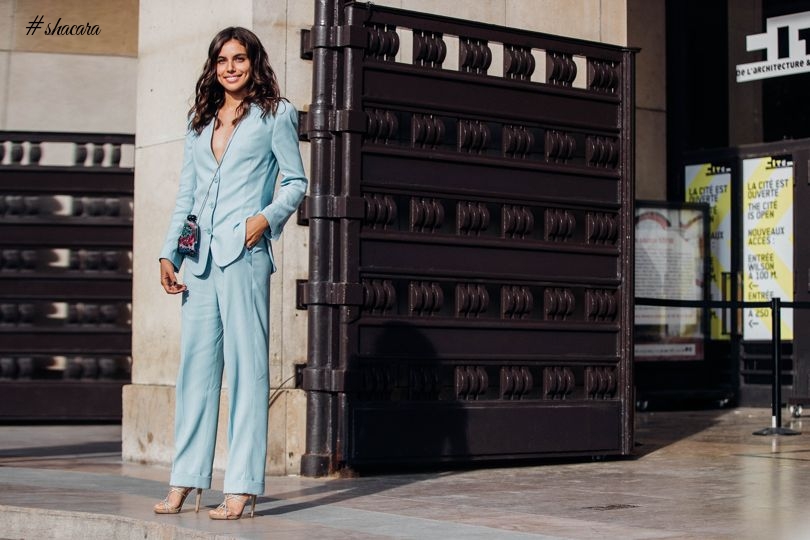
pixel 709 183
pixel 767 243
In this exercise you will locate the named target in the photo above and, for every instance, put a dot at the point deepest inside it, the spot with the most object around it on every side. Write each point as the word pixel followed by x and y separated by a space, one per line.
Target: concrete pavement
pixel 697 475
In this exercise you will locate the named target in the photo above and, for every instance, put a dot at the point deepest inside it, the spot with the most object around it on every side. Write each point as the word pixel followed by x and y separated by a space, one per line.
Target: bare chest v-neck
pixel 223 147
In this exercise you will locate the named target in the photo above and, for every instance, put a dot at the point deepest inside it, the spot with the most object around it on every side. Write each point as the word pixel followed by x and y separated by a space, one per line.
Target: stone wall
pixel 647 31
pixel 80 83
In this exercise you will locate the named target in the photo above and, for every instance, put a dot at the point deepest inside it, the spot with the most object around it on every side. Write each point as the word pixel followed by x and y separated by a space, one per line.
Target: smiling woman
pixel 242 135
pixel 233 68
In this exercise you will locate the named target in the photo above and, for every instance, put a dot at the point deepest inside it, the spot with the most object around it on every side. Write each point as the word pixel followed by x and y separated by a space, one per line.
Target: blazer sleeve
pixel 294 181
pixel 183 205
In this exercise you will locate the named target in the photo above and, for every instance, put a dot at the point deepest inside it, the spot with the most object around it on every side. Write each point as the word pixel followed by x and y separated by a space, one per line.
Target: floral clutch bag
pixel 188 243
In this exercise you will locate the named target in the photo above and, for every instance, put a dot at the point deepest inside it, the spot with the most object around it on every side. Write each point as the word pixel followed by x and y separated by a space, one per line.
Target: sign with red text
pixel 669 264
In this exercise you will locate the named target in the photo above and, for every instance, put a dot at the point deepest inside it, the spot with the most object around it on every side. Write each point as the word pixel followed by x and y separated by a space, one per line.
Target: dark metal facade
pixel 470 289
pixel 65 276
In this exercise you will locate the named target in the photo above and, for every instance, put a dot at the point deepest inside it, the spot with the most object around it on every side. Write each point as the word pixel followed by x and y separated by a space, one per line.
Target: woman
pixel 242 134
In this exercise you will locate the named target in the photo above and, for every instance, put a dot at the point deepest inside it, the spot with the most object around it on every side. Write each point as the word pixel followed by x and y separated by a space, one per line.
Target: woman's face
pixel 233 68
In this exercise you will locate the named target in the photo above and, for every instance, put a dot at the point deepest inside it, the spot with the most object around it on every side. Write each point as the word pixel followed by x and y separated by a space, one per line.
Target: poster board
pixel 710 183
pixel 767 212
pixel 671 263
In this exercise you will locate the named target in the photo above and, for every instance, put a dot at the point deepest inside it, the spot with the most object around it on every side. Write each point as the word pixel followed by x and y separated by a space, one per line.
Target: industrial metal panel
pixel 470 289
pixel 65 276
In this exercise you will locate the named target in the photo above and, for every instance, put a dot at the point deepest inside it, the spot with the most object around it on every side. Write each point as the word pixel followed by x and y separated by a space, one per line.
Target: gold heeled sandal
pixel 224 512
pixel 164 507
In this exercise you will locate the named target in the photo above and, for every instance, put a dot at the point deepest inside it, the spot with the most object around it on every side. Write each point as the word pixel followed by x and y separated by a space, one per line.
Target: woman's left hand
pixel 254 229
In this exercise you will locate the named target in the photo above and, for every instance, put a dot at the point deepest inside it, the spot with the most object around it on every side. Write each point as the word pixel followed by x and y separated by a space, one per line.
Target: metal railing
pixel 775 305
pixel 65 274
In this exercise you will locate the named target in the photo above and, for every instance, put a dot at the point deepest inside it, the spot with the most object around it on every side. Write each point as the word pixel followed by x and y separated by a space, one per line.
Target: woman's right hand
pixel 168 279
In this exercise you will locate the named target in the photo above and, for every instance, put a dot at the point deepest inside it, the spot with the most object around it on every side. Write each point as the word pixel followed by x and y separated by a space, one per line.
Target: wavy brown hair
pixel 262 88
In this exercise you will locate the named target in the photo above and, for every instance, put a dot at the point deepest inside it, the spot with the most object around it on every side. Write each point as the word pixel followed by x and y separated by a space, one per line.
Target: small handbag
pixel 188 244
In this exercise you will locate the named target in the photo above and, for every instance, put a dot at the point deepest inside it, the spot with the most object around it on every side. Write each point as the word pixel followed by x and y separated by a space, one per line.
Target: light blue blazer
pixel 243 186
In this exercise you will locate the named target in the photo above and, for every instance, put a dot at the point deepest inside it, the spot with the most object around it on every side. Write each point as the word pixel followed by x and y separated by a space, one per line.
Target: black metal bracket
pixel 325 380
pixel 300 285
pixel 299 375
pixel 306 45
pixel 317 122
pixel 320 37
pixel 350 36
pixel 300 215
pixel 331 207
pixel 303 134
pixel 355 121
pixel 331 37
pixel 329 294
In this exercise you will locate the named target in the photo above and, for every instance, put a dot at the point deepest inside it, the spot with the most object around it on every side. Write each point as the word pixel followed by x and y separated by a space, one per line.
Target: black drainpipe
pixel 322 319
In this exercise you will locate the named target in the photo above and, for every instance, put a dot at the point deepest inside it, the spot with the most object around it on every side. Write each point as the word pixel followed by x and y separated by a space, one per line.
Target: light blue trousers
pixel 225 322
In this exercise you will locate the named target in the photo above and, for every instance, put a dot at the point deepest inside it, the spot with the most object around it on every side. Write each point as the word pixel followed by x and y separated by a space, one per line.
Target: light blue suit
pixel 225 314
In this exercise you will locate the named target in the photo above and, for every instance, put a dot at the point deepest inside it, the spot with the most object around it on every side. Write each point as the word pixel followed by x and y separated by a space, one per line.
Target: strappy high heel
pixel 164 507
pixel 224 512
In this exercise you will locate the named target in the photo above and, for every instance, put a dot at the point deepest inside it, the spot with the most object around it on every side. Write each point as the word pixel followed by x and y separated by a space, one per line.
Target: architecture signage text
pixel 788 59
